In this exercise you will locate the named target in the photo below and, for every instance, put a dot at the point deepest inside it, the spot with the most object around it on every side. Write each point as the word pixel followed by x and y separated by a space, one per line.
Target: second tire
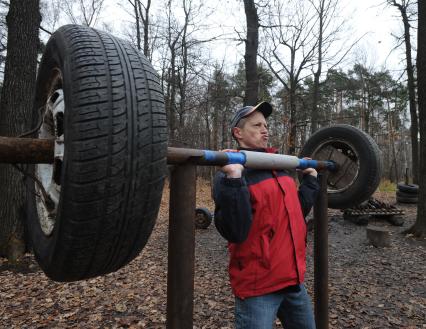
pixel 358 157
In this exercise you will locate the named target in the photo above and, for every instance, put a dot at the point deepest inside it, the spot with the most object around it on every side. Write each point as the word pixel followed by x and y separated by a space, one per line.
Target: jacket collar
pixel 266 150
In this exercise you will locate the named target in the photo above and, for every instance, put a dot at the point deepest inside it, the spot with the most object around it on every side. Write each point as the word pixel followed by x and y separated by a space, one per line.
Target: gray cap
pixel 264 107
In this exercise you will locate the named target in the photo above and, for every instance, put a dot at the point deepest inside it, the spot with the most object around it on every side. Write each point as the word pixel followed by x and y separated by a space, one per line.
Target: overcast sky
pixel 369 17
pixel 379 21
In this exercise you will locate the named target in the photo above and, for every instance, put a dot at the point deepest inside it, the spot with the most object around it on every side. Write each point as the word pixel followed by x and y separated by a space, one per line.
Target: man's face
pixel 254 133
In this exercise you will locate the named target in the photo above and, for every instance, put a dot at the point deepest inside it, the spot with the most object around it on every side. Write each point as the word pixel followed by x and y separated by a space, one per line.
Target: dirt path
pixel 369 287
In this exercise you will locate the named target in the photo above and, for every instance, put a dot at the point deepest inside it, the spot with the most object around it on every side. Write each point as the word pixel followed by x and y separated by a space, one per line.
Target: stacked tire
pixel 407 193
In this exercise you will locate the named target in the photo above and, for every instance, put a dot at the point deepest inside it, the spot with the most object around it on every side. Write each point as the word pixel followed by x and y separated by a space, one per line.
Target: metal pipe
pixel 250 159
pixel 181 247
pixel 321 254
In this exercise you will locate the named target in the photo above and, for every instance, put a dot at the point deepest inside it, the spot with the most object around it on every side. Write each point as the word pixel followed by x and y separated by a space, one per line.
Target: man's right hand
pixel 232 170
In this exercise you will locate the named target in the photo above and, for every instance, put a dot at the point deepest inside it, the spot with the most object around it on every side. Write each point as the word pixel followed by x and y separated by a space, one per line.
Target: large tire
pixel 358 157
pixel 103 105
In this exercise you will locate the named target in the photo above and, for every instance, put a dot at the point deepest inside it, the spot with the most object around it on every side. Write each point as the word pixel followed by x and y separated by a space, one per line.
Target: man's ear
pixel 236 132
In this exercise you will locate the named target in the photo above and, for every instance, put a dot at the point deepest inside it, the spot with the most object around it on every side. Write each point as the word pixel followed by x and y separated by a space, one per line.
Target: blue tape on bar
pixel 209 155
pixel 233 157
pixel 236 157
pixel 304 163
pixel 331 165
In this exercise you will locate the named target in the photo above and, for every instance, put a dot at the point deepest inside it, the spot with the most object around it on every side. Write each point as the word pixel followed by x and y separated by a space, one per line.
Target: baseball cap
pixel 264 107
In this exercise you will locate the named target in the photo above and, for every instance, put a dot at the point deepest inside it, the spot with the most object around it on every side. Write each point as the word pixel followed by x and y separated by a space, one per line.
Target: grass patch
pixel 386 186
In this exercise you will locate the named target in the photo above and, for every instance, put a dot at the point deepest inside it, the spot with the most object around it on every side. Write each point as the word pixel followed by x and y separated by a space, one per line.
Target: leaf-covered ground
pixel 369 287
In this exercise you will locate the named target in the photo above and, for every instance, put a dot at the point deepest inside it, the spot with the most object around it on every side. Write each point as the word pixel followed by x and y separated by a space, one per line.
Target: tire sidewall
pixel 55 56
pixel 406 195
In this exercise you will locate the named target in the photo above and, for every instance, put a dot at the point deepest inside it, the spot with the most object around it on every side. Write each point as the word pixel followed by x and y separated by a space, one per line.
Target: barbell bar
pixel 33 150
pixel 249 159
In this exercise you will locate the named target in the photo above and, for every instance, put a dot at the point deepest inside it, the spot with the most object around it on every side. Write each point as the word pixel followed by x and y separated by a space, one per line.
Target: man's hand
pixel 309 171
pixel 232 170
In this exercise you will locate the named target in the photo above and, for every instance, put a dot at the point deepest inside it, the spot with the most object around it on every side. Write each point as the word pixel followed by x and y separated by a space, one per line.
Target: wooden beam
pixel 26 150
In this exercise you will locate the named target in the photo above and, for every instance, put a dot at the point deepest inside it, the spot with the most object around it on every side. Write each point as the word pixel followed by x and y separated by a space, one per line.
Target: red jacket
pixel 261 216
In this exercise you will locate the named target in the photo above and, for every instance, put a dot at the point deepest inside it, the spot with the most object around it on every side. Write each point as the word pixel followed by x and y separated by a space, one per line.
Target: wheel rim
pixel 49 175
pixel 346 157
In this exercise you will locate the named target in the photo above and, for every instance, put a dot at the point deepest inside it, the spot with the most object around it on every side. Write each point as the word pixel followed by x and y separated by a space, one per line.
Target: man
pixel 261 214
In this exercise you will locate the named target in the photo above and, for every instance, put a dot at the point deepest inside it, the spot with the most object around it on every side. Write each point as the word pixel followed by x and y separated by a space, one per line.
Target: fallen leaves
pixel 369 288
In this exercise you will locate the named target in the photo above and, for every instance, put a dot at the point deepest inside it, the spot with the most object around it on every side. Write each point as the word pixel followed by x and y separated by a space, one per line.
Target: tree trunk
pixel 411 92
pixel 145 22
pixel 23 20
pixel 171 108
pixel 215 130
pixel 419 228
pixel 252 43
pixel 138 31
pixel 183 77
pixel 413 111
pixel 317 75
pixel 392 144
pixel 315 97
pixel 292 121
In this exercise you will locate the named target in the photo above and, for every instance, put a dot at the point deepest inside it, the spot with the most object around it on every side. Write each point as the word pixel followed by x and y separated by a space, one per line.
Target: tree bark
pixel 145 21
pixel 292 122
pixel 412 100
pixel 146 30
pixel 138 31
pixel 411 89
pixel 419 228
pixel 172 79
pixel 23 20
pixel 317 74
pixel 252 42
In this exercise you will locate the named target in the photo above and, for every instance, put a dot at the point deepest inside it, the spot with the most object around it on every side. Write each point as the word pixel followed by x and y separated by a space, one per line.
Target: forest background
pixel 316 61
pixel 198 50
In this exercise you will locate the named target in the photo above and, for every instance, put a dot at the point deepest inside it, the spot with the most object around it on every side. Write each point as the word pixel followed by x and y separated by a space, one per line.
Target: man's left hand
pixel 309 171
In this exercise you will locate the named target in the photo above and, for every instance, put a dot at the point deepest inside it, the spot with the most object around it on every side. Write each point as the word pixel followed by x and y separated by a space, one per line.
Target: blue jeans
pixel 291 305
